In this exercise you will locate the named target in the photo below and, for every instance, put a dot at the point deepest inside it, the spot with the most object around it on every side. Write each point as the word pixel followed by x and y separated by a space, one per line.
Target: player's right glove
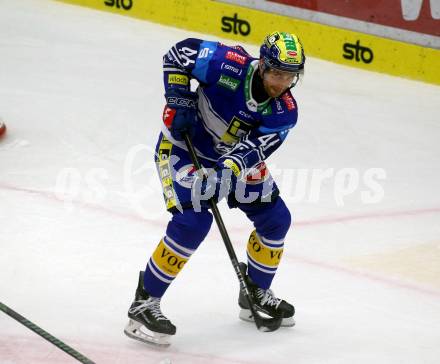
pixel 217 185
pixel 180 113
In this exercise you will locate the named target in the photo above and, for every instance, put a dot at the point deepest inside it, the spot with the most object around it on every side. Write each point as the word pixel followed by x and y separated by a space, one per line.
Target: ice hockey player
pixel 240 113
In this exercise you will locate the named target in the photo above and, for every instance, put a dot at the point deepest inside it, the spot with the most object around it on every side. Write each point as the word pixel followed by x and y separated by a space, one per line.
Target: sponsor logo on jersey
pixel 177 79
pixel 228 82
pixel 235 57
pixel 164 149
pixel 288 100
pixel 163 163
pixel 236 129
pixel 231 68
pixel 245 114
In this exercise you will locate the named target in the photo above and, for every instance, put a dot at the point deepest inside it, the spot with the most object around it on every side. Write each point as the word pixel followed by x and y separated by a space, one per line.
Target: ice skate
pixel 146 321
pixel 266 303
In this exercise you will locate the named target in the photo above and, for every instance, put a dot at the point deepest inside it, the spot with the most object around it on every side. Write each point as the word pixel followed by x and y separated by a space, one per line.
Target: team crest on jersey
pixel 235 57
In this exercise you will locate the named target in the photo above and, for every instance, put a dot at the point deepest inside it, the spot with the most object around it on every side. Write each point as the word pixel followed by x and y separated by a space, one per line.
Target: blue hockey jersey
pixel 231 124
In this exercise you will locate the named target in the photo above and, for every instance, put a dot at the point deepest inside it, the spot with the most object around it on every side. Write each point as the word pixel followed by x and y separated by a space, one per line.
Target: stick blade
pixel 268 324
pixel 264 323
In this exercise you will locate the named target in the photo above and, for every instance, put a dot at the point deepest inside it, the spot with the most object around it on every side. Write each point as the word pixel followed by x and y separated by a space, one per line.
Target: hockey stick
pixel 53 340
pixel 263 323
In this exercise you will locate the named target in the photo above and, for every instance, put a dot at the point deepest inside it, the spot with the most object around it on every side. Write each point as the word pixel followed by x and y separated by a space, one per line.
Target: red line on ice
pixel 313 222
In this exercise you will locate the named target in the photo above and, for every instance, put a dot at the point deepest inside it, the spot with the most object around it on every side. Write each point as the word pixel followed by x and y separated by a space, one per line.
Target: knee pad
pixel 189 228
pixel 271 220
pixel 280 219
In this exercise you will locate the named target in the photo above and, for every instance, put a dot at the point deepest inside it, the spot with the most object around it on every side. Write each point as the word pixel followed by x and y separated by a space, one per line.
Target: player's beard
pixel 275 91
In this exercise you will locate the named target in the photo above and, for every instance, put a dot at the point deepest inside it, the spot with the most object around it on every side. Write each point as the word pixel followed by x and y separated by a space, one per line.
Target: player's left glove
pixel 180 113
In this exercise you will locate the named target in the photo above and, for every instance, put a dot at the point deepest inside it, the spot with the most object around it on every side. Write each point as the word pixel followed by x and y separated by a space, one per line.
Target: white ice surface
pixel 81 207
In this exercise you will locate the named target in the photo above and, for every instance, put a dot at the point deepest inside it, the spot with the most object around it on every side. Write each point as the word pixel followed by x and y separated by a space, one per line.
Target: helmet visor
pixel 274 64
pixel 282 76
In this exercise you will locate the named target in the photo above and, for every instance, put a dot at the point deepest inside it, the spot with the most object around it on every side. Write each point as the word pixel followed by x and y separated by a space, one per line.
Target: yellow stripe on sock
pixel 167 260
pixel 263 254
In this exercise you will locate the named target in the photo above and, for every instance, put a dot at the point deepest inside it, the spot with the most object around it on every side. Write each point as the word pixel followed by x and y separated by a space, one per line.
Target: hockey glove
pixel 180 113
pixel 217 185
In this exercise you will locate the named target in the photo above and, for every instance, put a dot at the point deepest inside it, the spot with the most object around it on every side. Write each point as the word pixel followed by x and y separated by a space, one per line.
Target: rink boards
pixel 248 25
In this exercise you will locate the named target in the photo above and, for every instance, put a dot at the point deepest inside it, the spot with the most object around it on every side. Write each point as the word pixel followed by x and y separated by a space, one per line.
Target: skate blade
pixel 246 315
pixel 137 331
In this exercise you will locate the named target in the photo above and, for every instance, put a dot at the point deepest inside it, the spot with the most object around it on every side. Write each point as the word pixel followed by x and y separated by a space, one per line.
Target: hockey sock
pixel 166 262
pixel 184 234
pixel 264 256
pixel 265 246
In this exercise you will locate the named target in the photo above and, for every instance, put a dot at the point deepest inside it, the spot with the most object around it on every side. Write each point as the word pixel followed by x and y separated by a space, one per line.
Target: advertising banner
pixel 246 25
pixel 422 16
